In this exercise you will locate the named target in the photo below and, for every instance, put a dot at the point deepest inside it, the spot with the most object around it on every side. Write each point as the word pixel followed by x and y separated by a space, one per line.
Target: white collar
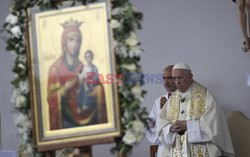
pixel 184 94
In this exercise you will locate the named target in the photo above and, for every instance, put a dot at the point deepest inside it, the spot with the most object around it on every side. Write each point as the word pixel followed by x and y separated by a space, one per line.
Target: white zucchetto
pixel 181 66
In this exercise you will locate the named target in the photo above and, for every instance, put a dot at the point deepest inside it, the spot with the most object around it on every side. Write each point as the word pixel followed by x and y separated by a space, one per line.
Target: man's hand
pixel 180 126
pixel 163 101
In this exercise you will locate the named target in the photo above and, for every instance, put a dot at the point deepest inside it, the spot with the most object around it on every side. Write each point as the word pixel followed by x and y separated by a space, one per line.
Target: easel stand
pixel 84 152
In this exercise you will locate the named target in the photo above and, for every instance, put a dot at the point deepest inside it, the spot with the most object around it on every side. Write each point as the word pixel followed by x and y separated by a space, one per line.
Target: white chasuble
pixel 207 134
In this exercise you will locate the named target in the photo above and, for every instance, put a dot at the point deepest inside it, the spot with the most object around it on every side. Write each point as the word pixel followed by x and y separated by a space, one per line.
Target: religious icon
pixel 80 103
pixel 64 53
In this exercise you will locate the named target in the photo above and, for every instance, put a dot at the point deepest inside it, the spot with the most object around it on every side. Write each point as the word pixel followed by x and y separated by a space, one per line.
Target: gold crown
pixel 71 22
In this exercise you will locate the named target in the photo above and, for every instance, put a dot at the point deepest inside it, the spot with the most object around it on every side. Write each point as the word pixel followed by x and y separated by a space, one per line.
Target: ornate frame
pixel 44 50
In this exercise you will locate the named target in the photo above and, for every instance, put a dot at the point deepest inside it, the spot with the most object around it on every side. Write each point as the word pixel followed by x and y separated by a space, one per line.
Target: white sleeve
pixel 152 136
pixel 152 133
pixel 195 133
pixel 167 135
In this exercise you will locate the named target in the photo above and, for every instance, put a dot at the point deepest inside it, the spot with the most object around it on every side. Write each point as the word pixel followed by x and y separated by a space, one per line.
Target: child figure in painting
pixel 90 70
pixel 244 16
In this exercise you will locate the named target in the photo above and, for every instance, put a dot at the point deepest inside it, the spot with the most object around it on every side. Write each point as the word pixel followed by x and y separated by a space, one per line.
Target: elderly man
pixel 192 124
pixel 169 84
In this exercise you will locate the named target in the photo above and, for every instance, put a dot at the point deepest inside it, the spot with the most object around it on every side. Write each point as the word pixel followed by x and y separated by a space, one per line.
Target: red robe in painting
pixel 61 105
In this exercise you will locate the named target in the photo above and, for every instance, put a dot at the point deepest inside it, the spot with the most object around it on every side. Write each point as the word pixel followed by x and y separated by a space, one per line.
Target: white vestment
pixel 151 134
pixel 207 133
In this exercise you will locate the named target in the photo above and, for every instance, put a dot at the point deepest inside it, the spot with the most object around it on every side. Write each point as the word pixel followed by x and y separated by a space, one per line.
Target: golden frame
pixel 57 122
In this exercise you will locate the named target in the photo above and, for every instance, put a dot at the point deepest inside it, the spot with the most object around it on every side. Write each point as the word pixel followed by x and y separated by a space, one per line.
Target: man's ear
pixel 190 76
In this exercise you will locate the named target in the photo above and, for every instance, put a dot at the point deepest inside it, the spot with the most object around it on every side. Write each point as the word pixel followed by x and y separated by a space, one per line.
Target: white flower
pixel 117 11
pixel 23 121
pixel 115 24
pixel 27 124
pixel 25 137
pixel 18 99
pixel 15 94
pixel 121 51
pixel 21 101
pixel 129 137
pixel 22 49
pixel 20 65
pixel 132 41
pixel 134 134
pixel 29 149
pixel 114 43
pixel 126 114
pixel 24 86
pixel 22 58
pixel 23 13
pixel 137 91
pixel 26 149
pixel 131 54
pixel 20 130
pixel 134 9
pixel 20 118
pixel 16 31
pixel 130 67
pixel 11 19
pixel 138 126
pixel 135 51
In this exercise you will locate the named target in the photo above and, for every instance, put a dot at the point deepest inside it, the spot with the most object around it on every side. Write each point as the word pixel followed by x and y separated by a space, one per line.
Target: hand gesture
pixel 69 84
pixel 180 126
pixel 163 101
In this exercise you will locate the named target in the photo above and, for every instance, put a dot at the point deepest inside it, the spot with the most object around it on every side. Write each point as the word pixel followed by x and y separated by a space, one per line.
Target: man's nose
pixel 165 81
pixel 177 81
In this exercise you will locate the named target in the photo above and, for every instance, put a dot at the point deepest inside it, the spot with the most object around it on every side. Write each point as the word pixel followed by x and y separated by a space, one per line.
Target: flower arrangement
pixel 125 21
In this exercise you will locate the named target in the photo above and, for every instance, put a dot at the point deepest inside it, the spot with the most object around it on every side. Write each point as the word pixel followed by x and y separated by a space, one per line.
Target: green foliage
pixel 130 21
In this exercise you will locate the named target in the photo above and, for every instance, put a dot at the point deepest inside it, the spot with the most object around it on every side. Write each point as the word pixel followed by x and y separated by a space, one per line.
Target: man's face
pixel 73 43
pixel 168 80
pixel 182 79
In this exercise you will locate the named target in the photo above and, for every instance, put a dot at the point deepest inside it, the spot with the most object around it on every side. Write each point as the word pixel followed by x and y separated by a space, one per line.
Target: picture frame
pixel 69 51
